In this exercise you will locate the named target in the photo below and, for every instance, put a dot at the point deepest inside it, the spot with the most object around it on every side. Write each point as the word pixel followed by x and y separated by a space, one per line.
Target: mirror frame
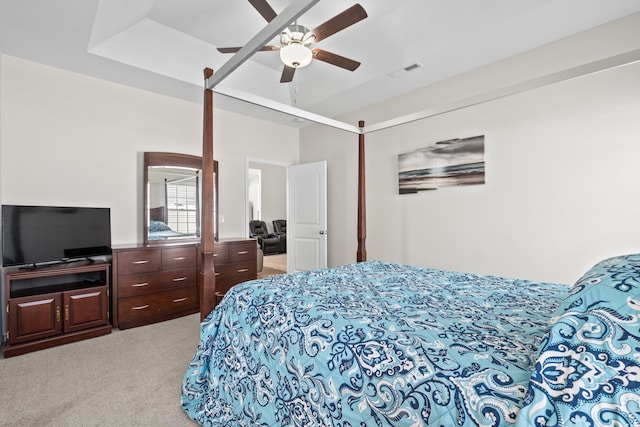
pixel 180 160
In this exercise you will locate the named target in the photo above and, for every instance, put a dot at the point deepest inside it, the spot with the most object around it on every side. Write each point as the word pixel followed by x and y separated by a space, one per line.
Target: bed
pixel 383 344
pixel 158 230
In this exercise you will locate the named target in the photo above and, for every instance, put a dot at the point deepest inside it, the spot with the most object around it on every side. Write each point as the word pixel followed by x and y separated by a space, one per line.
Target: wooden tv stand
pixel 54 305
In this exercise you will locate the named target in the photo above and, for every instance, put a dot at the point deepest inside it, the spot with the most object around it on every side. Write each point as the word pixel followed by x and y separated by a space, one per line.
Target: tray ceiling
pixel 163 45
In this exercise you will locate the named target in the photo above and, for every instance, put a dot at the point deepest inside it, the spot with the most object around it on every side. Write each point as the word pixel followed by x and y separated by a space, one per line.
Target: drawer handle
pixel 180 279
pixel 217 274
pixel 140 307
pixel 180 299
pixel 141 262
pixel 243 252
pixel 243 270
pixel 179 258
pixel 138 285
pixel 215 254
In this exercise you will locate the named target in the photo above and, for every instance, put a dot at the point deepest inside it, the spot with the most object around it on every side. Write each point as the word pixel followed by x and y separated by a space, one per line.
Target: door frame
pixel 248 160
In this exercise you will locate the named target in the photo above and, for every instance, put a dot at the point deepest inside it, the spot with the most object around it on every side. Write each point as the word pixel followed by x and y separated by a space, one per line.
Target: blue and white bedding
pixel 587 373
pixel 373 344
pixel 158 230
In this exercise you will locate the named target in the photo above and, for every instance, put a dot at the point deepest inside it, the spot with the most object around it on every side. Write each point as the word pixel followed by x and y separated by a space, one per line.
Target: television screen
pixel 43 234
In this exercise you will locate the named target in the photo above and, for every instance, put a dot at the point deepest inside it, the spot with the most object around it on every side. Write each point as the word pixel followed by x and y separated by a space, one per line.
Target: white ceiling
pixel 164 45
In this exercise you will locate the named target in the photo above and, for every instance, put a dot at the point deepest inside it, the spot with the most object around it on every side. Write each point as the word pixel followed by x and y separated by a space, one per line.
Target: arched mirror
pixel 172 192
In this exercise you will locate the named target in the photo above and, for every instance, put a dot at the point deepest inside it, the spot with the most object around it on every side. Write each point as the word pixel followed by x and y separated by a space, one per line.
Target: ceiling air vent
pixel 405 70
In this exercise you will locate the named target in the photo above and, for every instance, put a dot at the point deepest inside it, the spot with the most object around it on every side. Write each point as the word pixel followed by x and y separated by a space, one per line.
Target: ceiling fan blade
pixel 235 49
pixel 339 22
pixel 334 59
pixel 264 9
pixel 287 74
pixel 228 49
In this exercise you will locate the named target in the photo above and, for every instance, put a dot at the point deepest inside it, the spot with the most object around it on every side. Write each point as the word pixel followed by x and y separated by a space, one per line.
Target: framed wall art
pixel 445 163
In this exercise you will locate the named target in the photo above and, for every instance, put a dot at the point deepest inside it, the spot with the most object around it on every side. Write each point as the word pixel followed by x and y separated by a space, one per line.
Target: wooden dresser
pixel 235 261
pixel 155 283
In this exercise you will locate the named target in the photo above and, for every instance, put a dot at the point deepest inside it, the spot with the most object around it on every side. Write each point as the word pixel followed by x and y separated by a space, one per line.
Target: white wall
pixel 562 183
pixel 69 139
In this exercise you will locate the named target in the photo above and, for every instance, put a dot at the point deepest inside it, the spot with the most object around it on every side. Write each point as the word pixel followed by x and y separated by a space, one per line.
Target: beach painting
pixel 445 163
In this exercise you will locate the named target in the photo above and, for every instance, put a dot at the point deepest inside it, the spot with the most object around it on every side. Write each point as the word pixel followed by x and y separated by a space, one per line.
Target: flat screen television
pixel 39 235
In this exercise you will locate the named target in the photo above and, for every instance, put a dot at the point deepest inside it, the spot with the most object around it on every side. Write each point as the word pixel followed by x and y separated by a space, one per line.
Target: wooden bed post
pixel 362 199
pixel 207 273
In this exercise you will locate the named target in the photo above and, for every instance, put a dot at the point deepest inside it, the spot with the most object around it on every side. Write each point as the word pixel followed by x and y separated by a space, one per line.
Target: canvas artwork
pixel 445 163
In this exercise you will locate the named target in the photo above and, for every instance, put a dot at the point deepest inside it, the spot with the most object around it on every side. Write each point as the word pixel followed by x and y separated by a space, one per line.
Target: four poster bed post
pixel 361 254
pixel 207 274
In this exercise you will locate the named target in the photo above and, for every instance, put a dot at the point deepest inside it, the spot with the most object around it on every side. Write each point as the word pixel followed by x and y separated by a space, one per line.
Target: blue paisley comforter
pixel 587 373
pixel 371 344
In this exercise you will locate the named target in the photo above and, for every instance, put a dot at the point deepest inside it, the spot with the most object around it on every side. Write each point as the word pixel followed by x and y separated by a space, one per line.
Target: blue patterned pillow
pixel 607 284
pixel 588 368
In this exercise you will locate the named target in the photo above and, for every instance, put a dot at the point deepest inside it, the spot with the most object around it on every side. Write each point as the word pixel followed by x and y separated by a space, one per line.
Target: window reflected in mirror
pixel 174 202
pixel 172 187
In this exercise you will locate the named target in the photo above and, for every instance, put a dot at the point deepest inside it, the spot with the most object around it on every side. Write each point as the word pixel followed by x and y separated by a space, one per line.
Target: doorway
pixel 266 196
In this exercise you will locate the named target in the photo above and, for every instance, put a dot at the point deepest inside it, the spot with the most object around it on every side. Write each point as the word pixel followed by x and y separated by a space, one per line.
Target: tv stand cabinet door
pixel 35 317
pixel 85 308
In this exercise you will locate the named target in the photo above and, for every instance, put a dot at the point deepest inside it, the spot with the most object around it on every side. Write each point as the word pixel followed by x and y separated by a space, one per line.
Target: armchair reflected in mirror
pixel 172 193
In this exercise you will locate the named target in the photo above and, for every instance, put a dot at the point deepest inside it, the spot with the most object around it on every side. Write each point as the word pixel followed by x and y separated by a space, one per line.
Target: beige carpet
pixel 273 265
pixel 127 378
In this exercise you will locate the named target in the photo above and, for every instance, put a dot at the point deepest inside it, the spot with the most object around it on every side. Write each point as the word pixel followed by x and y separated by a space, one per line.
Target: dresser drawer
pixel 222 289
pixel 178 258
pixel 147 283
pixel 139 261
pixel 142 310
pixel 243 251
pixel 220 254
pixel 236 272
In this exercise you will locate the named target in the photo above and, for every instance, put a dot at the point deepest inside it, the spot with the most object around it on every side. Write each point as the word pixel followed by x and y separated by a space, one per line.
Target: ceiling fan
pixel 296 40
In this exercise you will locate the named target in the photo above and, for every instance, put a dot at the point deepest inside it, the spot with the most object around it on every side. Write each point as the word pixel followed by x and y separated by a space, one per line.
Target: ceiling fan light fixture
pixel 296 55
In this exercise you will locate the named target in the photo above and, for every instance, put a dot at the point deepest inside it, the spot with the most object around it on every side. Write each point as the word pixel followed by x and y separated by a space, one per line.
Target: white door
pixel 306 217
